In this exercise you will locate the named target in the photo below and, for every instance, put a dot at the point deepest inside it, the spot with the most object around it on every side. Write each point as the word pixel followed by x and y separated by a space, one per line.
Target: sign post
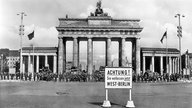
pixel 118 78
pixel 130 103
pixel 106 102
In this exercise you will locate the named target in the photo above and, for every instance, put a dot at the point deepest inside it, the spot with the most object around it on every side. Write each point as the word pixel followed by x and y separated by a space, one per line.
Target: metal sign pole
pixel 106 96
pixel 106 102
pixel 130 103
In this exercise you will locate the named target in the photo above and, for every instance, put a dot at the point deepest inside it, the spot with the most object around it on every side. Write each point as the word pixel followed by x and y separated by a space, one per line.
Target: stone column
pixel 161 63
pixel 176 71
pixel 23 68
pixel 29 64
pixel 178 64
pixel 144 65
pixel 90 56
pixel 24 64
pixel 64 55
pixel 37 63
pixel 108 52
pixel 54 63
pixel 138 55
pixel 133 41
pixel 170 67
pixel 177 68
pixel 61 56
pixel 75 52
pixel 46 60
pixel 123 54
pixel 174 63
pixel 120 51
pixel 174 66
pixel 186 61
pixel 153 63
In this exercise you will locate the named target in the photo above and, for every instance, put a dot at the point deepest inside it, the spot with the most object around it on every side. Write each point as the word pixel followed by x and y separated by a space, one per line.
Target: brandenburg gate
pixel 98 26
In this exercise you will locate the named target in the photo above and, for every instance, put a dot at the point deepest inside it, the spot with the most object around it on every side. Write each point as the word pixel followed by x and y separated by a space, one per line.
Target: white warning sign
pixel 118 77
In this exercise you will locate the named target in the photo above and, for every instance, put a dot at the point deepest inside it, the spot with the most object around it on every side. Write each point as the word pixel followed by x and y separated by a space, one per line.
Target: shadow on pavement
pixel 101 103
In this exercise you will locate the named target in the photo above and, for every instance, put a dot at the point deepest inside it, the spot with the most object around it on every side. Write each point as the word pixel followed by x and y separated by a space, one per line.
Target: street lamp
pixel 21 33
pixel 179 31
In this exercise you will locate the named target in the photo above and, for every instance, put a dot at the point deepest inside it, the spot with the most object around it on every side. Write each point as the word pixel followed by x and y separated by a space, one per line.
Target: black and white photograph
pixel 95 54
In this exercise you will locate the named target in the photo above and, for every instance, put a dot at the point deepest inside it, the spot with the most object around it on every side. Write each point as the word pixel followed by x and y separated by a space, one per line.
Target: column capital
pixel 123 37
pixel 109 37
pixel 89 37
pixel 60 37
pixel 138 37
pixel 74 37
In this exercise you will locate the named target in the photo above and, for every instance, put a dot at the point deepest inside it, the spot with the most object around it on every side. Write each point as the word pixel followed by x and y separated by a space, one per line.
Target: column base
pixel 130 104
pixel 106 104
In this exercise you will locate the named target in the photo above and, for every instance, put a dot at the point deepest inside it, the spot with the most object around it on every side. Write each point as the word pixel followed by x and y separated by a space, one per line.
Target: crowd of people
pixel 150 76
pixel 46 74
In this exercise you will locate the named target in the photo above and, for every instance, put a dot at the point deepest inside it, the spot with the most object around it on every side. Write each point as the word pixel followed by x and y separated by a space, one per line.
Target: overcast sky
pixel 42 15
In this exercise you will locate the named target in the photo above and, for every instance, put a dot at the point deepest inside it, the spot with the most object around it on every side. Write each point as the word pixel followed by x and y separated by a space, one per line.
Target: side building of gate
pixel 98 26
pixel 160 60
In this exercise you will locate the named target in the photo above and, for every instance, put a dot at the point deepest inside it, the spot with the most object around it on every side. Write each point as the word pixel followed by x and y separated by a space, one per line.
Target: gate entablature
pixel 98 26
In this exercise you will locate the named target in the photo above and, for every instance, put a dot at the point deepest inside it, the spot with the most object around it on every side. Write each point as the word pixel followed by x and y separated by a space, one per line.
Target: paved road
pixel 92 95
